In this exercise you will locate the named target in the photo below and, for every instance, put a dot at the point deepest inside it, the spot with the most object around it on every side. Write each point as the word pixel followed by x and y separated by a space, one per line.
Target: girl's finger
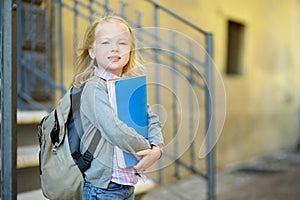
pixel 144 152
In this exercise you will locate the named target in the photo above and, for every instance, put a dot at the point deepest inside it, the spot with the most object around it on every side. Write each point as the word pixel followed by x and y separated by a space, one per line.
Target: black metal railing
pixel 171 55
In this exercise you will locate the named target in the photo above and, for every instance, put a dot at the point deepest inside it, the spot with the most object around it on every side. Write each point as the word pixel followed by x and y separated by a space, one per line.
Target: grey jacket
pixel 96 111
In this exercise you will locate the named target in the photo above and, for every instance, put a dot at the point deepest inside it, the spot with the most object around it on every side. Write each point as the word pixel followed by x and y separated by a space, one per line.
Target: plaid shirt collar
pixel 100 72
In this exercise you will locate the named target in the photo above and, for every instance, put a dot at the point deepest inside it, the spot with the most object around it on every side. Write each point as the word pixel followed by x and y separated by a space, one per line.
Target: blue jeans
pixel 113 192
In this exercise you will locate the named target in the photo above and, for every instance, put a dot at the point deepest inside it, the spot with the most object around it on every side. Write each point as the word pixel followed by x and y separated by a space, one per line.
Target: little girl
pixel 108 52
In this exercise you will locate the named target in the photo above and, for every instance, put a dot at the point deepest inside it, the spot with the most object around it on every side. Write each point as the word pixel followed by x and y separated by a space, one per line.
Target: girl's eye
pixel 123 43
pixel 105 42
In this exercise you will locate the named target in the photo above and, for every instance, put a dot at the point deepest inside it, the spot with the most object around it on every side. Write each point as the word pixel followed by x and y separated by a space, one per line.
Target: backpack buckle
pixel 87 156
pixel 54 149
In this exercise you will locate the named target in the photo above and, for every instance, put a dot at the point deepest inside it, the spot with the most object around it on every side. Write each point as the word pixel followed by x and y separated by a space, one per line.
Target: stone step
pixel 28 156
pixel 30 117
pixel 31 195
pixel 28 168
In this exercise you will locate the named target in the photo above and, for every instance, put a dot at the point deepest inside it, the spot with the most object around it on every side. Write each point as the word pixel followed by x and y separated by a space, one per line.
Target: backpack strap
pixel 94 143
pixel 55 133
pixel 61 114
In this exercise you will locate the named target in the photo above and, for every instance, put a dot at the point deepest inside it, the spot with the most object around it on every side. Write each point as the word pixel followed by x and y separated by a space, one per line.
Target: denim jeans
pixel 113 192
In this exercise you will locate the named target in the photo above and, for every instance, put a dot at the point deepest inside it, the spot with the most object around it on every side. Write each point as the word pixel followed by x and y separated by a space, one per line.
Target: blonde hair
pixel 85 64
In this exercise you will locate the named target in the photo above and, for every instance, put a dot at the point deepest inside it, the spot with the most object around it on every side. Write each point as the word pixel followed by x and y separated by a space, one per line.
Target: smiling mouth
pixel 114 58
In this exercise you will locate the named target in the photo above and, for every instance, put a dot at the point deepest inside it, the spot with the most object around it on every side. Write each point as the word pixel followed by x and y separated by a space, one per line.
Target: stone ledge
pixel 31 195
pixel 30 117
pixel 28 156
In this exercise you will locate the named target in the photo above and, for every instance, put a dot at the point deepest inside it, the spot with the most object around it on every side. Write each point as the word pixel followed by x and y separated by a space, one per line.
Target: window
pixel 235 48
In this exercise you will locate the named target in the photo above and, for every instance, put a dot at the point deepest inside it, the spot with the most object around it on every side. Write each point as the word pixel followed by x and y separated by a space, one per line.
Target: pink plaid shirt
pixel 123 176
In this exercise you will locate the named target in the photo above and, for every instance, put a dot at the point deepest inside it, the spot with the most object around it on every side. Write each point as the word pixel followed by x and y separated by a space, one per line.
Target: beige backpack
pixel 62 165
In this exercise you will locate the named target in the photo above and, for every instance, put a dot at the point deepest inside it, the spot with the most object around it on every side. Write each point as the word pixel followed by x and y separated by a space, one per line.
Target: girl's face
pixel 112 47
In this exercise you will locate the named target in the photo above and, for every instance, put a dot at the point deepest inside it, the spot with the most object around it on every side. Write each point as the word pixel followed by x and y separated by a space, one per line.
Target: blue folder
pixel 131 102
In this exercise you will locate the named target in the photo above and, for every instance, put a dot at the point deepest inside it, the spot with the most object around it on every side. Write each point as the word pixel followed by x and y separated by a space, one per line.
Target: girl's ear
pixel 92 53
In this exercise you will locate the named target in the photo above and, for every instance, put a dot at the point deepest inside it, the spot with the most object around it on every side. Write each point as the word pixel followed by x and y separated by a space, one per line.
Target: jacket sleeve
pixel 154 129
pixel 95 106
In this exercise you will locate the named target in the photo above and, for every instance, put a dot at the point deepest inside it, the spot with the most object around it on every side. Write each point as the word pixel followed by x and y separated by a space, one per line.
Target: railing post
pixel 139 19
pixel 122 8
pixel 191 107
pixel 174 103
pixel 91 11
pixel 8 100
pixel 157 79
pixel 210 119
pixel 19 40
pixel 106 2
pixel 47 36
pixel 75 32
pixel 61 51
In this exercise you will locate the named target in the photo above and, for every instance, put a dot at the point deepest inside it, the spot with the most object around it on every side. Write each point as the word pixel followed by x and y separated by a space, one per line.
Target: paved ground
pixel 273 177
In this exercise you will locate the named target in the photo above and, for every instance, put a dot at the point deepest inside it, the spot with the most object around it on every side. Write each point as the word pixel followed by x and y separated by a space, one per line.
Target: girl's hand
pixel 149 157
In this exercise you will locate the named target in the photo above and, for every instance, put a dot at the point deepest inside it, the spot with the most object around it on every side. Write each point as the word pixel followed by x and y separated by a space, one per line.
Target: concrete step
pixel 31 195
pixel 27 127
pixel 28 156
pixel 30 117
pixel 28 174
pixel 28 179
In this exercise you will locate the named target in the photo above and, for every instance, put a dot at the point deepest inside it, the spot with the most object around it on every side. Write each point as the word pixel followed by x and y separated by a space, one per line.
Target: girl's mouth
pixel 114 58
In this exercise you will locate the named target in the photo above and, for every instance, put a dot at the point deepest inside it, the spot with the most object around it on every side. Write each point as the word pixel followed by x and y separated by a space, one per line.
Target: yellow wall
pixel 263 103
pixel 263 108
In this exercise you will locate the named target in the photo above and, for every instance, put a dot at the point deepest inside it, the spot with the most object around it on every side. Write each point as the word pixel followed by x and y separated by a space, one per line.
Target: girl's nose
pixel 115 47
